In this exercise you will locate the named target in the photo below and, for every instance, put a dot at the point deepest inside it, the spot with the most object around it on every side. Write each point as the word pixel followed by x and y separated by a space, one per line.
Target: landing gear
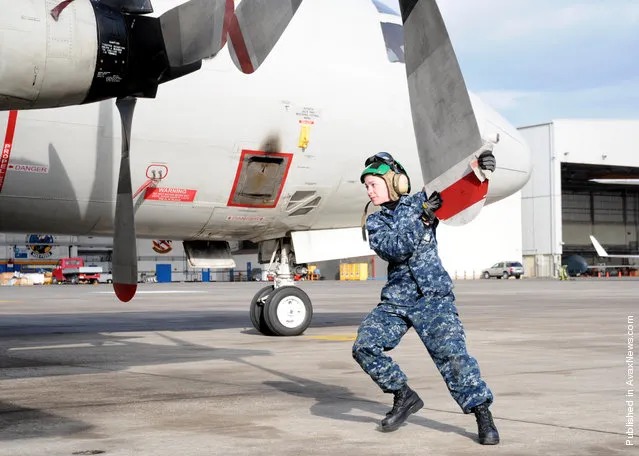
pixel 257 310
pixel 281 309
pixel 288 311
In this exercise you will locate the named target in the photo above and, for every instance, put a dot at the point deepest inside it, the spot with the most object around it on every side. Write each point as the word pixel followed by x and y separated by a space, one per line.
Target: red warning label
pixel 5 153
pixel 30 169
pixel 181 195
pixel 244 218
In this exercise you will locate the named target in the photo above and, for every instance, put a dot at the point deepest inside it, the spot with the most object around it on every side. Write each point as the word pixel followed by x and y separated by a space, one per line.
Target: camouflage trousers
pixel 437 324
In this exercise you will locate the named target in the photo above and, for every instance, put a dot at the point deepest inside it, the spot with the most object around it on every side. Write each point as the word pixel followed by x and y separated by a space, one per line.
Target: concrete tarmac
pixel 180 371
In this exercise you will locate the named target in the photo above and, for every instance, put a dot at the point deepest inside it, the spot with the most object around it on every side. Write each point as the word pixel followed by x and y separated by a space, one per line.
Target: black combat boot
pixel 488 434
pixel 406 402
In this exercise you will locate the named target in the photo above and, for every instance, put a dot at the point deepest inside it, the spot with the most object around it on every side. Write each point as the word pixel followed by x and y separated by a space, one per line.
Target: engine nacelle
pixel 514 158
pixel 85 51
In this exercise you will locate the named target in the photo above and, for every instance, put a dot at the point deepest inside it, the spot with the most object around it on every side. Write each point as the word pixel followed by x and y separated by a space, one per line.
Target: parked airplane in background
pixel 576 265
pixel 602 252
pixel 270 153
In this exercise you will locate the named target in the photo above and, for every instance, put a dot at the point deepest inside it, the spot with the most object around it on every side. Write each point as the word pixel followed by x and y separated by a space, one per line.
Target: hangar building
pixel 585 181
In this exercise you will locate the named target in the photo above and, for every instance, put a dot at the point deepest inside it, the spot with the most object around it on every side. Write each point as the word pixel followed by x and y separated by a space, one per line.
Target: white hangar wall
pixel 494 236
pixel 597 142
pixel 541 204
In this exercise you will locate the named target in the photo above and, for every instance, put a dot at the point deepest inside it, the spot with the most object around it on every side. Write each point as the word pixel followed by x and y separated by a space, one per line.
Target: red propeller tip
pixel 125 291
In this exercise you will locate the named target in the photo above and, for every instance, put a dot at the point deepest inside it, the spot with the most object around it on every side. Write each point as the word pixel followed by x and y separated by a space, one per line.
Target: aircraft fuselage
pixel 223 155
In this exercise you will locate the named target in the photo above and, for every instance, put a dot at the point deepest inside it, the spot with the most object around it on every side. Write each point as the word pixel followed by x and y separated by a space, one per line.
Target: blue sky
pixel 539 60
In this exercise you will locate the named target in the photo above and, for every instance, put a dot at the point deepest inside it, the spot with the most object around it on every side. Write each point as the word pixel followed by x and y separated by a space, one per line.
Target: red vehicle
pixel 73 270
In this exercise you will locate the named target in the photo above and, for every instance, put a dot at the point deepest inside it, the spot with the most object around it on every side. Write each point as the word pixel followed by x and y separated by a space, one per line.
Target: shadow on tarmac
pixel 339 403
pixel 30 325
pixel 26 423
pixel 90 349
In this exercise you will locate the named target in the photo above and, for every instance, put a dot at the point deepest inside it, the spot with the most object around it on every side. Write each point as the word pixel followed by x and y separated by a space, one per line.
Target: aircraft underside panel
pixel 209 254
pixel 324 245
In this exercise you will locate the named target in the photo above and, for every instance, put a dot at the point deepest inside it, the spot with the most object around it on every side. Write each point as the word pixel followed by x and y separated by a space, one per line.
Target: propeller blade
pixel 125 257
pixel 255 28
pixel 446 130
pixel 443 117
pixel 193 31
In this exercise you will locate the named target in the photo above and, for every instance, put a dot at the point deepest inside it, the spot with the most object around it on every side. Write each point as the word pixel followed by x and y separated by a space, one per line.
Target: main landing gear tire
pixel 257 310
pixel 287 311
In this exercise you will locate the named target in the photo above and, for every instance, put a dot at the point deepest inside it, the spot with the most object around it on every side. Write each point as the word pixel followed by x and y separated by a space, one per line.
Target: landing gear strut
pixel 281 309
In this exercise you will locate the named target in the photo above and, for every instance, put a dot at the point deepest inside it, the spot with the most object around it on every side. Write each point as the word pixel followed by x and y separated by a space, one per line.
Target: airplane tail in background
pixel 602 252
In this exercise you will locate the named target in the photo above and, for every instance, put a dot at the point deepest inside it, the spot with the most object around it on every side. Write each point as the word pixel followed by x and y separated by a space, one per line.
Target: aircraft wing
pixel 602 252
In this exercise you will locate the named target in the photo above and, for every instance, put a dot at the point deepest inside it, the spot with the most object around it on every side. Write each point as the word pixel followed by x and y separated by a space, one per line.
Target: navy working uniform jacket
pixel 401 238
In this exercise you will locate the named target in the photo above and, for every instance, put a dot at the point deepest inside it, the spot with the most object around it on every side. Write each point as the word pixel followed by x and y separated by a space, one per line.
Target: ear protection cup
pixel 401 184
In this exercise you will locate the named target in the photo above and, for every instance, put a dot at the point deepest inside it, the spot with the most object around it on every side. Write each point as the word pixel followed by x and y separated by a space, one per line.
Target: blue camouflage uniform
pixel 418 294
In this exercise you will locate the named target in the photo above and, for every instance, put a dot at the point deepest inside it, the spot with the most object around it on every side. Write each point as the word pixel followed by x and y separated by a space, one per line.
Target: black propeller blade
pixel 191 32
pixel 125 256
pixel 443 118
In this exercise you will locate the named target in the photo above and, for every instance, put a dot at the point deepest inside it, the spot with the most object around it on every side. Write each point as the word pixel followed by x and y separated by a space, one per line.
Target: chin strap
pixel 364 215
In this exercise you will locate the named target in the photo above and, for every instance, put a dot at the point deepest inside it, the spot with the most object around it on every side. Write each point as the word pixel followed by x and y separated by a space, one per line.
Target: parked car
pixel 504 270
pixel 106 278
